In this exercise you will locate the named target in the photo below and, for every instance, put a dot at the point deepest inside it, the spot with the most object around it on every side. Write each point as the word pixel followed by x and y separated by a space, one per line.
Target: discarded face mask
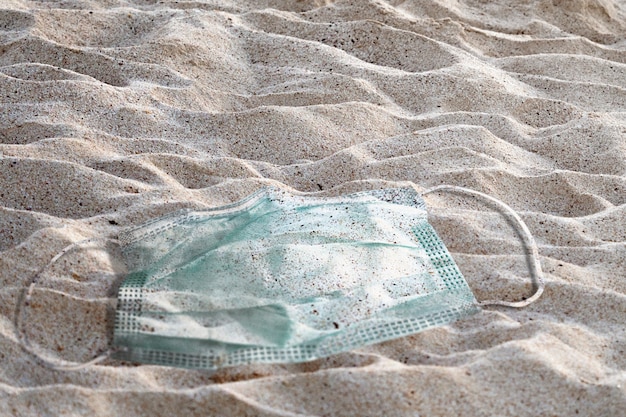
pixel 279 278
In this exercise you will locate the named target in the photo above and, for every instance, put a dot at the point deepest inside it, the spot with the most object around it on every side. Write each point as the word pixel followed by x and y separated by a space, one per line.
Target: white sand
pixel 117 111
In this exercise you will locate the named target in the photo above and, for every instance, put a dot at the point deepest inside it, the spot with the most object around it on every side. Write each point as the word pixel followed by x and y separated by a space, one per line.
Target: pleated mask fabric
pixel 280 277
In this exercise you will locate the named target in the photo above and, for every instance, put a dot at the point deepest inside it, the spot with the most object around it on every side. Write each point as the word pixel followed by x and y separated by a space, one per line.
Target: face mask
pixel 283 278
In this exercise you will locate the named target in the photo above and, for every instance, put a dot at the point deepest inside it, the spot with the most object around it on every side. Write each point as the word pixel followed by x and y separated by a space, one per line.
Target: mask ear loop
pixel 25 301
pixel 527 238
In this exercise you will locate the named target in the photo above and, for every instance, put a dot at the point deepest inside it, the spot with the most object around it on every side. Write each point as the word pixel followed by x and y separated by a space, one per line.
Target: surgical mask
pixel 283 278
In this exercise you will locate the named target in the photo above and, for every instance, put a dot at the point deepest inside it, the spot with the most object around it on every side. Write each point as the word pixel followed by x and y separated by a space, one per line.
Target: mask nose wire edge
pixel 527 239
pixel 24 301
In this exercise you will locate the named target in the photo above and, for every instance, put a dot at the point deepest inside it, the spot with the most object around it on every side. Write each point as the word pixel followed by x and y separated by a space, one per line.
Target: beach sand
pixel 115 112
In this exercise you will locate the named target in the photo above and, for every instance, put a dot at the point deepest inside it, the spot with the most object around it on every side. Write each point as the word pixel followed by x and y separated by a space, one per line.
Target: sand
pixel 114 112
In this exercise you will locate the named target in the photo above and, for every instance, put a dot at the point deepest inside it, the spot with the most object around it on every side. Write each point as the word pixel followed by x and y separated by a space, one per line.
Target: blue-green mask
pixel 279 277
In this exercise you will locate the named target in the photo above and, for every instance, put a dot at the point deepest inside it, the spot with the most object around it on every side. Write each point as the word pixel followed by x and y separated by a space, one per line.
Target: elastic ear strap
pixel 527 239
pixel 25 300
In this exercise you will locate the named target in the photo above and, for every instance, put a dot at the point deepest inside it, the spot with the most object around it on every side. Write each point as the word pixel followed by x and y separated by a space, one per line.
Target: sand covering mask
pixel 278 278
